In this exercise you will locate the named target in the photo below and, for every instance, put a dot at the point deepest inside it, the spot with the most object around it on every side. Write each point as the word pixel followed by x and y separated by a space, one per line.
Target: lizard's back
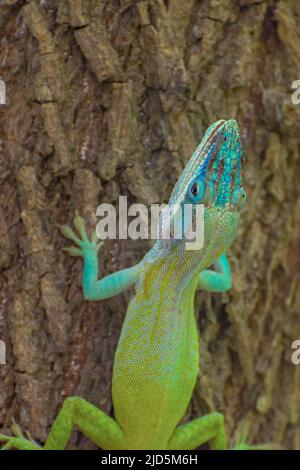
pixel 156 362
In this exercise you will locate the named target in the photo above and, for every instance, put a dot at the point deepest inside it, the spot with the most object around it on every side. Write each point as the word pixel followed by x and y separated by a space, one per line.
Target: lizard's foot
pixel 83 244
pixel 241 437
pixel 240 442
pixel 18 441
pixel 267 446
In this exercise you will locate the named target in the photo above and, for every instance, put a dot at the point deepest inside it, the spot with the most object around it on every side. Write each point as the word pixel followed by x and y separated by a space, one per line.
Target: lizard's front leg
pixel 93 288
pixel 217 280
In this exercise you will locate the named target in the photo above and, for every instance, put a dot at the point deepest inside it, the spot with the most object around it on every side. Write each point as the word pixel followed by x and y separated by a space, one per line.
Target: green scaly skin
pixel 156 361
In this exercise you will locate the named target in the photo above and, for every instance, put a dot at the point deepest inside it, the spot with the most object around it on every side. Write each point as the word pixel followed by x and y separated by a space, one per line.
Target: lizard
pixel 156 362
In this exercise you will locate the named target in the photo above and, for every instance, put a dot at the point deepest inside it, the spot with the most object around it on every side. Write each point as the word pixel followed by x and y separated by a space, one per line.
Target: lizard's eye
pixel 242 200
pixel 196 190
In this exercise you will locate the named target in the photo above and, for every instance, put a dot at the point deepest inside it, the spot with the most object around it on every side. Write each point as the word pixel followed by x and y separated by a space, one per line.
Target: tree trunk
pixel 108 98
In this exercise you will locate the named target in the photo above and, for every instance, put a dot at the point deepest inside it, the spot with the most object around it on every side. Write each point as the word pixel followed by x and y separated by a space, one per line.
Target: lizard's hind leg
pixel 209 428
pixel 92 422
pixel 18 441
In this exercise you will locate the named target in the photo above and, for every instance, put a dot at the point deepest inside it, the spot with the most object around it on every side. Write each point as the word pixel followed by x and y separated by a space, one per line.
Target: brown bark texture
pixel 109 98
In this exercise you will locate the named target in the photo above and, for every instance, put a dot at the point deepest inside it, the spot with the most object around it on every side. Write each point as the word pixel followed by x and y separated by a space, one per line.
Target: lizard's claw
pixel 94 239
pixel 241 436
pixel 16 430
pixel 30 438
pixel 83 244
pixel 73 251
pixel 68 233
pixel 79 224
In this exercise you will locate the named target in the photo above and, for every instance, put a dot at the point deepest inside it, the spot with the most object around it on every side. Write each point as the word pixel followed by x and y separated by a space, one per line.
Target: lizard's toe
pixel 79 224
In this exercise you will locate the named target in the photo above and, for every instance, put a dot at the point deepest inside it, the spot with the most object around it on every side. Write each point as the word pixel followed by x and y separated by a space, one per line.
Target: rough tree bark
pixel 111 97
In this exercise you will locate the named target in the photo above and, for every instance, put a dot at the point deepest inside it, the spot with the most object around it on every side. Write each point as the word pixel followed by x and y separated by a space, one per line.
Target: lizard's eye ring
pixel 196 190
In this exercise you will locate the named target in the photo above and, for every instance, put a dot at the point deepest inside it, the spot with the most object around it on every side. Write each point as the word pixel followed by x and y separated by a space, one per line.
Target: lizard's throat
pixel 171 272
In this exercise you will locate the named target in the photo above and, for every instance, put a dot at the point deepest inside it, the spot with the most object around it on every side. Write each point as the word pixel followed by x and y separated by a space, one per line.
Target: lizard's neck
pixel 166 274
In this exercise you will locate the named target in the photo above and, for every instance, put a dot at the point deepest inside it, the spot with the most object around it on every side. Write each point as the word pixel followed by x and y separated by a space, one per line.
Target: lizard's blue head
pixel 212 178
pixel 213 175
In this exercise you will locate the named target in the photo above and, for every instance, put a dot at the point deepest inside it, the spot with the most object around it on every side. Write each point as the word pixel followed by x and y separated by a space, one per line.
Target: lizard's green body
pixel 156 362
